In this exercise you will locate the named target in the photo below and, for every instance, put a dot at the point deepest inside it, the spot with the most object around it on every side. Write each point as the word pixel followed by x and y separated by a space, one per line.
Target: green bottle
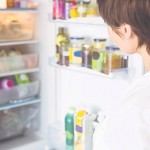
pixel 22 79
pixel 69 129
pixel 60 37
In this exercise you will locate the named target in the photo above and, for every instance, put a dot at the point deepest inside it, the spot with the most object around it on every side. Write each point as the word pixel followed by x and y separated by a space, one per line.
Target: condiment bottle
pixel 61 37
pixel 64 54
pixel 69 128
pixel 10 4
pixel 86 56
pixel 82 8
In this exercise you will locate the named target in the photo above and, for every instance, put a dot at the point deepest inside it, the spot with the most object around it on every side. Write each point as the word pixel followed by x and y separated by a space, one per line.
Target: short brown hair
pixel 136 13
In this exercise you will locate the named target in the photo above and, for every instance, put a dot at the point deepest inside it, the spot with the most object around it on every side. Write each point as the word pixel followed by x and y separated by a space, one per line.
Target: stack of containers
pixel 79 129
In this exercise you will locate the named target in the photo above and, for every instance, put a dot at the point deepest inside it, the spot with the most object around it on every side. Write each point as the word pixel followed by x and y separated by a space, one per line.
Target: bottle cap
pixel 99 40
pixel 112 48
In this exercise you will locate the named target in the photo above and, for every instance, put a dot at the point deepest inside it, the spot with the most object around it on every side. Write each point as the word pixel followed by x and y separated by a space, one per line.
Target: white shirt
pixel 128 126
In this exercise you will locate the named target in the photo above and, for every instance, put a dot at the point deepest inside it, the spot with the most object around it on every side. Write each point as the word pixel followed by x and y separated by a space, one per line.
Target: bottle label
pixel 75 55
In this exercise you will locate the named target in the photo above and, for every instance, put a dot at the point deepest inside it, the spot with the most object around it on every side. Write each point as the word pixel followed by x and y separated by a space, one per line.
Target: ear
pixel 126 31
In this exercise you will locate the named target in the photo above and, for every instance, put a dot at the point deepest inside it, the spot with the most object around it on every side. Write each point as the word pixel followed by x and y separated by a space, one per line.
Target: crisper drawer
pixel 17 93
pixel 19 121
pixel 13 63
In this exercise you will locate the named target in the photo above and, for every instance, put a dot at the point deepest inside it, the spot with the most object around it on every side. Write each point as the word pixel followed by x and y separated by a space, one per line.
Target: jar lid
pixel 76 38
pixel 99 40
pixel 112 48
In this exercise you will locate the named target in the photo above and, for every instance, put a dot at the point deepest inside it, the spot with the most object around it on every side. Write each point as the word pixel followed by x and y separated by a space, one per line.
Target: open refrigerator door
pixel 91 90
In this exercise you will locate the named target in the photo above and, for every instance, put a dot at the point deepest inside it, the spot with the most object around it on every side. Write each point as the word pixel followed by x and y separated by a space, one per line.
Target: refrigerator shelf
pixel 21 103
pixel 29 10
pixel 20 71
pixel 21 42
pixel 30 142
pixel 95 21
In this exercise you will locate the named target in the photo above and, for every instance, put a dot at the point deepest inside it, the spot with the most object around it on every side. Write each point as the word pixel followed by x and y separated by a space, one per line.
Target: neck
pixel 145 56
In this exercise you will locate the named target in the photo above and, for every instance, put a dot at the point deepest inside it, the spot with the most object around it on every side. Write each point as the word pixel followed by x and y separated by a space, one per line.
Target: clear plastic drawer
pixel 14 63
pixel 18 121
pixel 16 26
pixel 17 93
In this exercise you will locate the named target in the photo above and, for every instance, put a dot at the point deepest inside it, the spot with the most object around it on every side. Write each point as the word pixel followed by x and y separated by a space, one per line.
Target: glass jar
pixel 99 43
pixel 75 50
pixel 98 59
pixel 113 59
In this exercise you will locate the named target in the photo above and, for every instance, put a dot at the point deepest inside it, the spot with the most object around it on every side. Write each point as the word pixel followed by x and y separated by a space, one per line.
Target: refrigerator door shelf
pixel 124 72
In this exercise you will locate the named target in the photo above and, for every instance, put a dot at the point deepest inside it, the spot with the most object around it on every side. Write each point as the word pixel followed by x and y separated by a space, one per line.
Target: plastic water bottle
pixel 69 129
pixel 6 84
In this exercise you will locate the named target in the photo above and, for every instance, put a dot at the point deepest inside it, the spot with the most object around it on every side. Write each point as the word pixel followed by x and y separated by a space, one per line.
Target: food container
pixel 112 60
pixel 13 63
pixel 16 26
pixel 19 121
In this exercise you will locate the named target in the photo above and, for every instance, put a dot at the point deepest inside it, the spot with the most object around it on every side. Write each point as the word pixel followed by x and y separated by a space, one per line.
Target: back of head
pixel 136 13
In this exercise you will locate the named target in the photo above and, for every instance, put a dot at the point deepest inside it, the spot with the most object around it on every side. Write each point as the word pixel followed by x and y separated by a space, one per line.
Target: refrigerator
pixel 41 119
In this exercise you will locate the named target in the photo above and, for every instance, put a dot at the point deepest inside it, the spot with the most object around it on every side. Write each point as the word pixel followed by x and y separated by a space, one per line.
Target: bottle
pixel 61 37
pixel 23 3
pixel 82 9
pixel 124 61
pixel 6 84
pixel 79 134
pixel 64 54
pixel 61 9
pixel 56 10
pixel 16 3
pixel 86 56
pixel 67 9
pixel 10 4
pixel 22 79
pixel 69 129
pixel 73 10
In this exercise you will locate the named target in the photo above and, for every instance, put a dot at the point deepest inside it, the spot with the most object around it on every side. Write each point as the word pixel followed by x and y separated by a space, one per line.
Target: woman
pixel 128 126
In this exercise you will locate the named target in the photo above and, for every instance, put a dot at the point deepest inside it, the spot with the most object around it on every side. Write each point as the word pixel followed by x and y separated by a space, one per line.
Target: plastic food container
pixel 18 121
pixel 19 92
pixel 14 63
pixel 16 26
pixel 113 59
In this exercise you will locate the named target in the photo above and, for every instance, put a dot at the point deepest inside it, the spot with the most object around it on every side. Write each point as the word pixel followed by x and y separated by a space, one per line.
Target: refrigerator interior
pixel 61 87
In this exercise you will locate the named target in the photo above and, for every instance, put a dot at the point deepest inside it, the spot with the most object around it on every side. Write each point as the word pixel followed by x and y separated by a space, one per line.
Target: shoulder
pixel 138 94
